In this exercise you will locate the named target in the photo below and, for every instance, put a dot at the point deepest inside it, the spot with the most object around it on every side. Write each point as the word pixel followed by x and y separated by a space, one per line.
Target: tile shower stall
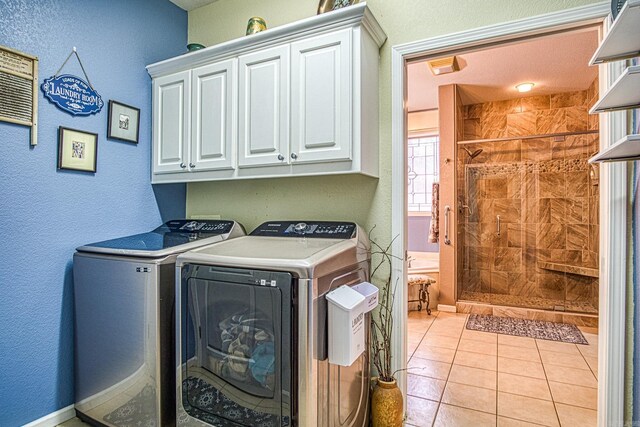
pixel 528 203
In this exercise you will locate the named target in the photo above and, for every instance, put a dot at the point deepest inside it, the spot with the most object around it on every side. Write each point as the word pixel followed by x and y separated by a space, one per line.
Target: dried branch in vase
pixel 382 320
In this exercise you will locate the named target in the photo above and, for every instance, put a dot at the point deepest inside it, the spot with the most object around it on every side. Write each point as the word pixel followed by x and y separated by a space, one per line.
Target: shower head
pixel 474 154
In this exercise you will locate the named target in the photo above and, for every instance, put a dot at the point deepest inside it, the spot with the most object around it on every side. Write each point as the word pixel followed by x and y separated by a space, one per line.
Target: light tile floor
pixel 464 378
pixel 459 377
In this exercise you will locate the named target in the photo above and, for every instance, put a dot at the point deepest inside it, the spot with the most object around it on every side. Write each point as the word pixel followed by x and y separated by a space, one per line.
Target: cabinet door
pixel 213 135
pixel 171 113
pixel 264 108
pixel 321 79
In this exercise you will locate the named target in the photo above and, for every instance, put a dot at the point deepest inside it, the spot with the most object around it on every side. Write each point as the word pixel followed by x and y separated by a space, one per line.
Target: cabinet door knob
pixel 280 157
pixel 182 165
pixel 191 165
pixel 294 156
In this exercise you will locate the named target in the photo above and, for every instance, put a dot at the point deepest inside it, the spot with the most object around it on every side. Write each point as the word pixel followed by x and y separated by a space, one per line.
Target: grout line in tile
pixel 466 407
pixel 421 339
pixel 555 408
pixel 516 419
pixel 590 368
pixel 522 360
pixel 446 383
pixel 439 400
pixel 433 421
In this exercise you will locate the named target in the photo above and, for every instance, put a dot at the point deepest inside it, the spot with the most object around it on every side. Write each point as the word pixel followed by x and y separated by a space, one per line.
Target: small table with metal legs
pixel 424 282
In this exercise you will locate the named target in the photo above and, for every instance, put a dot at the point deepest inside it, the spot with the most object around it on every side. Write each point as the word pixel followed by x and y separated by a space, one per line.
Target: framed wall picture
pixel 124 122
pixel 77 150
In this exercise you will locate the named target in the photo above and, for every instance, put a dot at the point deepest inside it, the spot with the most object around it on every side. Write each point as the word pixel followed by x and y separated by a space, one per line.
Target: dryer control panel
pixel 199 226
pixel 309 229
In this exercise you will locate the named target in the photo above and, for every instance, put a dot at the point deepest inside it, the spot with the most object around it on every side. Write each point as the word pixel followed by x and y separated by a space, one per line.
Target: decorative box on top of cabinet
pixel 295 100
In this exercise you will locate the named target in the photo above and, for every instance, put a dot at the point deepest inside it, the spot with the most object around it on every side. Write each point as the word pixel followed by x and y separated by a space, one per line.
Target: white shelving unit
pixel 623 94
pixel 623 39
pixel 621 42
pixel 627 148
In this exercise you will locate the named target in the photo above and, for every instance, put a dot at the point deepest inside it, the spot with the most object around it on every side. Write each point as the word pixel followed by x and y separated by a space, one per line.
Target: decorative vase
pixel 386 404
pixel 325 6
pixel 339 4
pixel 194 46
pixel 255 25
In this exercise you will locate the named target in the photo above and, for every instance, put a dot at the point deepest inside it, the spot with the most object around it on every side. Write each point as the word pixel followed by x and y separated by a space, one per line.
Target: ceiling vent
pixel 444 65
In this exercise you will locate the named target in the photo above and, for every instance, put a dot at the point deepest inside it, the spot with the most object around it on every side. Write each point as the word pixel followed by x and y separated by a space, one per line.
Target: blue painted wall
pixel 45 213
pixel 418 234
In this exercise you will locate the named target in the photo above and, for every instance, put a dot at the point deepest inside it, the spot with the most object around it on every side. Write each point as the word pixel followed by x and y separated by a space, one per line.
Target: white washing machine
pixel 251 332
pixel 124 301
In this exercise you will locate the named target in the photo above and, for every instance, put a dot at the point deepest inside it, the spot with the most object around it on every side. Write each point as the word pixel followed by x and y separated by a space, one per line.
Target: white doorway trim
pixel 613 196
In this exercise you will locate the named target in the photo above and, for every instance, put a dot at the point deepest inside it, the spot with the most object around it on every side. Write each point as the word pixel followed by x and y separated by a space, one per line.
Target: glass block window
pixel 423 171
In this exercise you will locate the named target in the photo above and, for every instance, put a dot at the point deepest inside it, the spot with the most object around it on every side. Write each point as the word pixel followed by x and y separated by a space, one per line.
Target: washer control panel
pixel 199 226
pixel 310 229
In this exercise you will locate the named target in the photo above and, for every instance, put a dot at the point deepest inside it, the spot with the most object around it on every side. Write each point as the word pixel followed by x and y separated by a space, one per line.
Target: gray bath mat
pixel 539 329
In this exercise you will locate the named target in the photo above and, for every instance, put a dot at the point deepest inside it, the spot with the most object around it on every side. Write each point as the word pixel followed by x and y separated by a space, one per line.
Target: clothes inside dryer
pixel 239 338
pixel 236 346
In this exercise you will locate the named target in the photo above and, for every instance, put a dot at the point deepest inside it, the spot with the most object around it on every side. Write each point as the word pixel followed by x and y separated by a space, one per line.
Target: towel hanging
pixel 434 228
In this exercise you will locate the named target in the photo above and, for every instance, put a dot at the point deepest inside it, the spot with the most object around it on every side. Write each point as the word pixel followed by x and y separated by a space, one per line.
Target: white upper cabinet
pixel 321 98
pixel 264 107
pixel 299 99
pixel 171 122
pixel 214 116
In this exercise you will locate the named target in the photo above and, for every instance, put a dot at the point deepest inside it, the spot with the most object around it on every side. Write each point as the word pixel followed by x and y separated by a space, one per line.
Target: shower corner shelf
pixel 627 148
pixel 623 39
pixel 572 269
pixel 623 94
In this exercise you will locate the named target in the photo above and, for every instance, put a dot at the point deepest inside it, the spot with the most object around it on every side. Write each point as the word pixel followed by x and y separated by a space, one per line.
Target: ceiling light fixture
pixel 525 87
pixel 444 65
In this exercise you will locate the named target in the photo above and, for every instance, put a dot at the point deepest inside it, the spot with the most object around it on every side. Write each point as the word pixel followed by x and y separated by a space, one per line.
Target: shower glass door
pixel 528 233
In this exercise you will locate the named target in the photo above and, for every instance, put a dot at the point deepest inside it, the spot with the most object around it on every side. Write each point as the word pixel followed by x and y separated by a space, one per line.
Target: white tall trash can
pixel 346 325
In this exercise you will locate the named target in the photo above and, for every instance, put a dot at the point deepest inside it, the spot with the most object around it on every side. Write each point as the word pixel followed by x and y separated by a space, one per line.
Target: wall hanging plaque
pixel 71 93
pixel 19 89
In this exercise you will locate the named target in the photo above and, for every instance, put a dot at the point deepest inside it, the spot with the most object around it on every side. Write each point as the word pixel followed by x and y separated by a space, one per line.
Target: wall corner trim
pixel 54 418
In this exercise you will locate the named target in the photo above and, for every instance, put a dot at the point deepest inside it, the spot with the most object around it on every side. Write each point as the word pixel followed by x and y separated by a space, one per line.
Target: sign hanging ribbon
pixel 71 93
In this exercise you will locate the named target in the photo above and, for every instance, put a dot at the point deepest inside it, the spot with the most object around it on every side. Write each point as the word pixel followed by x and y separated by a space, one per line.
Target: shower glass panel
pixel 528 212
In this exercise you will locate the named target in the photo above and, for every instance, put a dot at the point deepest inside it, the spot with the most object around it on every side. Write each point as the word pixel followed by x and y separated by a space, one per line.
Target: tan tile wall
pixel 536 115
pixel 543 191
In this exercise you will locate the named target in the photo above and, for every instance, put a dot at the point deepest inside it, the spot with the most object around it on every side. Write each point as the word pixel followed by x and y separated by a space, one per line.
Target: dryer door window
pixel 241 331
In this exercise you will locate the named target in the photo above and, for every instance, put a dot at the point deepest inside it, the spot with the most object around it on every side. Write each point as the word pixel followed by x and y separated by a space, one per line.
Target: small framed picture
pixel 124 122
pixel 77 150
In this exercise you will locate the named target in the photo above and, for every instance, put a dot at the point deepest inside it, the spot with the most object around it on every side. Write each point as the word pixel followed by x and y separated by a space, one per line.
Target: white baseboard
pixel 447 308
pixel 54 418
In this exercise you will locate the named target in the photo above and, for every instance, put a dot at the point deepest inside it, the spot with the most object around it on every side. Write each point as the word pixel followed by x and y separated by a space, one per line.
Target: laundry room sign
pixel 71 93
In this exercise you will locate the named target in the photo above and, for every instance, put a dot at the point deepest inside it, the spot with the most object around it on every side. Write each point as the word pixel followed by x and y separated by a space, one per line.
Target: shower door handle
pixel 498 225
pixel 447 211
